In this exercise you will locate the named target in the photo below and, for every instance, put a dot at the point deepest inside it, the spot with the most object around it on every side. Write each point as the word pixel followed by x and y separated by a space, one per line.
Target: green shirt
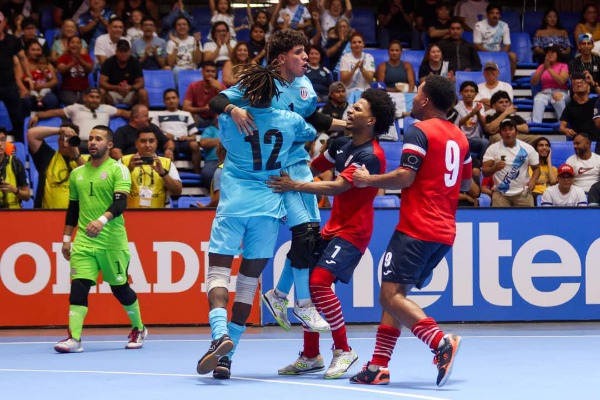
pixel 93 188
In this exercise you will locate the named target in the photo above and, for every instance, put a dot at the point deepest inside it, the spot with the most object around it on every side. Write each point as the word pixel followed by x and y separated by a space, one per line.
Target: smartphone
pixel 147 160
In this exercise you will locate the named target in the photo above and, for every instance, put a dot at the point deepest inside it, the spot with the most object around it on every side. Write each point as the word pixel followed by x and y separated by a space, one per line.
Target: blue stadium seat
pixel 409 121
pixel 569 20
pixel 4 118
pixel 46 18
pixel 484 200
pixel 500 58
pixel 156 81
pixel 468 36
pixel 117 122
pixel 202 16
pixel 34 177
pixel 393 152
pixel 379 55
pixel 363 21
pixel 386 201
pixel 53 122
pixel 414 57
pixel 532 21
pixel 190 178
pixel 20 153
pixel 513 19
pixel 243 35
pixel 51 35
pixel 187 77
pixel 520 43
pixel 561 151
pixel 190 201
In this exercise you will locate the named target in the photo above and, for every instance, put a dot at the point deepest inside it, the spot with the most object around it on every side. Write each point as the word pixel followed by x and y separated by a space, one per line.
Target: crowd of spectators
pixel 93 71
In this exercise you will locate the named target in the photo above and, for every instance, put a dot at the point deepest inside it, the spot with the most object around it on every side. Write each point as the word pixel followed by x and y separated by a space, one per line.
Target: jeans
pixel 543 98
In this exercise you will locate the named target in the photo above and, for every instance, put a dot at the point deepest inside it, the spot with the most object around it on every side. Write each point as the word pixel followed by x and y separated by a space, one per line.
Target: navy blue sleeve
pixel 414 148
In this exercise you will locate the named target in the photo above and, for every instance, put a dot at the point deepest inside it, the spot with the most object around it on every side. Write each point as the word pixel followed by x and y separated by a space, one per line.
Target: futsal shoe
pixel 278 308
pixel 218 348
pixel 69 345
pixel 444 357
pixel 310 318
pixel 368 377
pixel 342 361
pixel 136 338
pixel 223 370
pixel 304 365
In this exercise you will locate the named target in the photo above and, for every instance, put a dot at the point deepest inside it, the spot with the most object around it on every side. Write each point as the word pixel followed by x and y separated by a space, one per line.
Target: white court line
pixel 353 389
pixel 299 339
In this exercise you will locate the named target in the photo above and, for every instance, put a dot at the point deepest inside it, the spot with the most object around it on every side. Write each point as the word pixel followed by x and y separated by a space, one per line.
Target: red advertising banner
pixel 169 256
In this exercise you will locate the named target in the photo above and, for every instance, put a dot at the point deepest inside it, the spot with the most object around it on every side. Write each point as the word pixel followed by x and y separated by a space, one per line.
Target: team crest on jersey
pixel 103 175
pixel 303 93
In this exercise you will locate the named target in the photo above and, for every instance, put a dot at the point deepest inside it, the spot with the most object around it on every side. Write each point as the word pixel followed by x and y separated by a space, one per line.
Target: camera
pixel 74 141
pixel 147 160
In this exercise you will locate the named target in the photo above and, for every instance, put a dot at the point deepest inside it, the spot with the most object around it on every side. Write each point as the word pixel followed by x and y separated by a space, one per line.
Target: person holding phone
pixel 153 179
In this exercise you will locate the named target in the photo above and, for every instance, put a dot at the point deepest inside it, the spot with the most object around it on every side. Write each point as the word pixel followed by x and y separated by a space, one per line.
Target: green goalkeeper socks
pixel 76 317
pixel 134 314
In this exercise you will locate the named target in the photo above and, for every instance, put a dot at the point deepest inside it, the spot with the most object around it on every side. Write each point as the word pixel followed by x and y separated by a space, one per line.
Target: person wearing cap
pixel 94 22
pixel 564 194
pixel 106 45
pixel 588 24
pixel 508 162
pixel 86 115
pixel 337 104
pixel 461 54
pixel 587 62
pixel 492 85
pixel 491 34
pixel 586 164
pixel 551 31
pixel 553 77
pixel 121 78
pixel 580 114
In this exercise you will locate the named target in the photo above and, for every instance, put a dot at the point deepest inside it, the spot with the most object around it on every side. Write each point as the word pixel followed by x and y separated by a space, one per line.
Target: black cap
pixel 508 121
pixel 552 47
pixel 123 44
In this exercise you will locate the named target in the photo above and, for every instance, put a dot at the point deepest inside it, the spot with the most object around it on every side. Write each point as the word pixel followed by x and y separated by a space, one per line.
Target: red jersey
pixel 352 213
pixel 439 152
pixel 75 79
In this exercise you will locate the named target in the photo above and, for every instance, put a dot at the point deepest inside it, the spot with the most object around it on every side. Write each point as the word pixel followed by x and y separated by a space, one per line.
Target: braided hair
pixel 259 84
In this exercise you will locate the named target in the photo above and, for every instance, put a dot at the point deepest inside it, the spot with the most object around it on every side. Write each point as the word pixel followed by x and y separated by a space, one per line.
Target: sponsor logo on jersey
pixel 103 175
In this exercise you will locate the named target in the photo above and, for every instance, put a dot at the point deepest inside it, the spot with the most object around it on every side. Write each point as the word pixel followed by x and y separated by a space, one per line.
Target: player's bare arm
pixel 283 183
pixel 398 179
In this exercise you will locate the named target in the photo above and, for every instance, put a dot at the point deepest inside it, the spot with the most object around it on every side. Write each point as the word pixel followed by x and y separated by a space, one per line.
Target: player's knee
pixel 124 293
pixel 217 277
pixel 80 288
pixel 245 288
pixel 303 244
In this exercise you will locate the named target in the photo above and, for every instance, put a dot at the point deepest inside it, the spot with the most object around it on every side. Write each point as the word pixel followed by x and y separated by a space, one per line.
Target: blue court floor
pixel 504 361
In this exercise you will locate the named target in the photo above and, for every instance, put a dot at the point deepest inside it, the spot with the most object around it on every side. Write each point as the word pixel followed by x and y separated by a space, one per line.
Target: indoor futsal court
pixel 496 361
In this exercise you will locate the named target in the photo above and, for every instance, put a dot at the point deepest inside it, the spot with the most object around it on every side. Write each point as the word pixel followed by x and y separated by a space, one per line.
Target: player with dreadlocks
pixel 248 210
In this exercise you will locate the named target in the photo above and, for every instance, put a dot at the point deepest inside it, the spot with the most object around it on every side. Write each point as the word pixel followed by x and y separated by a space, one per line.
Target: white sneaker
pixel 69 345
pixel 136 338
pixel 342 361
pixel 278 308
pixel 303 365
pixel 310 317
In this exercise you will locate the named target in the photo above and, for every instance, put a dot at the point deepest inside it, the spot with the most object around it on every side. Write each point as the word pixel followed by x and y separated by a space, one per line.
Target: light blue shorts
pixel 253 237
pixel 301 208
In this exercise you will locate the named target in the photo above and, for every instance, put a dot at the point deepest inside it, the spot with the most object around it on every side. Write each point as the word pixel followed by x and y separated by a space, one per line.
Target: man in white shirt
pixel 492 84
pixel 180 127
pixel 564 194
pixel 86 115
pixel 491 34
pixel 470 12
pixel 106 45
pixel 586 164
pixel 508 161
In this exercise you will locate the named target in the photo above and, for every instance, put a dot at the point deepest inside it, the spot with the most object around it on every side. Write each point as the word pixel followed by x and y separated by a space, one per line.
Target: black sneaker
pixel 218 348
pixel 223 370
pixel 368 377
pixel 444 357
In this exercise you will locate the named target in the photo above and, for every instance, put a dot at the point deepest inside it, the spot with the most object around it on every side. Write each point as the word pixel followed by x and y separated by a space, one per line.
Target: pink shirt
pixel 548 82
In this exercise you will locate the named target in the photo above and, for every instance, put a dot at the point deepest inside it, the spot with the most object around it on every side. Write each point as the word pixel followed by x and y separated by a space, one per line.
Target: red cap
pixel 566 169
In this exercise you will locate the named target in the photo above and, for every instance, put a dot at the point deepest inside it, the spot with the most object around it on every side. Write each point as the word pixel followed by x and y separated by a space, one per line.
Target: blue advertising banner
pixel 506 265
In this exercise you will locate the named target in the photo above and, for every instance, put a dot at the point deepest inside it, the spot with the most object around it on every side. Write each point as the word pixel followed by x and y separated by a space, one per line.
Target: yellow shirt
pixel 147 188
pixel 56 185
pixel 544 180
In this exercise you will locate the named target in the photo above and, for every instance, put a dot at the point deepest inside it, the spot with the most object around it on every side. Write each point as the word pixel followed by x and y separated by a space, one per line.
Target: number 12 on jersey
pixel 257 157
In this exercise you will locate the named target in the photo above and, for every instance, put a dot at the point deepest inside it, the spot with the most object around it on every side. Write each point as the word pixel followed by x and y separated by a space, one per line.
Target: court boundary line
pixel 319 385
pixel 152 340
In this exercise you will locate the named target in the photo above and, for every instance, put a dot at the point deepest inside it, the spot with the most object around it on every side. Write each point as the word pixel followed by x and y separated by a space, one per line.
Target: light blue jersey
pixel 252 159
pixel 298 96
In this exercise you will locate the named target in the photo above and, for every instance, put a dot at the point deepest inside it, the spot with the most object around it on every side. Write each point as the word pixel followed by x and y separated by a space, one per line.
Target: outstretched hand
pixel 361 177
pixel 281 183
pixel 244 121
